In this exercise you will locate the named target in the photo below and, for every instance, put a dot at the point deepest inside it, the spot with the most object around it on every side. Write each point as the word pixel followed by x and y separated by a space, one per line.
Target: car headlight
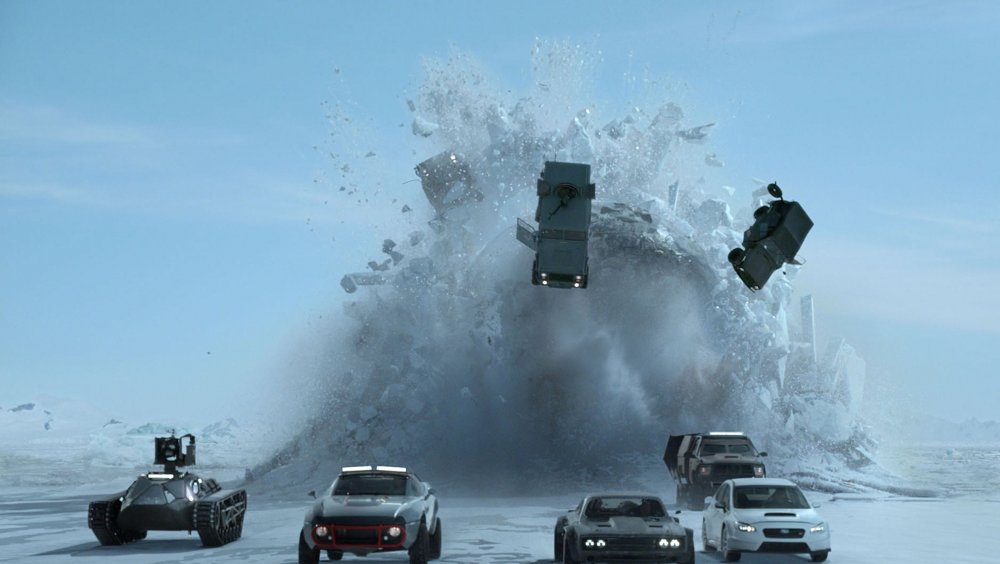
pixel 675 543
pixel 601 544
pixel 664 543
pixel 589 543
pixel 704 470
pixel 394 531
pixel 322 531
pixel 745 527
pixel 818 528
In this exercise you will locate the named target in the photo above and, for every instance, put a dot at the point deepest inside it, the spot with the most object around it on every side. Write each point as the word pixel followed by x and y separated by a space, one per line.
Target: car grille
pixel 792 547
pixel 784 533
pixel 366 536
pixel 735 470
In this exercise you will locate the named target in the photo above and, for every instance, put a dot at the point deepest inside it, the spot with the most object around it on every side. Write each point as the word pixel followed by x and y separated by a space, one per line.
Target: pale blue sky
pixel 158 203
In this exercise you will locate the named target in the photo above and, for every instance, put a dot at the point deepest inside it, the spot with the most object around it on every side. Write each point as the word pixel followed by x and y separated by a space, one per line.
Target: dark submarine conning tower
pixel 171 500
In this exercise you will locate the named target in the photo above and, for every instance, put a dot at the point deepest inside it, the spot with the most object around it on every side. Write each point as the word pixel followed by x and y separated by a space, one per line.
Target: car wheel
pixel 334 554
pixel 436 541
pixel 567 551
pixel 421 547
pixel 728 555
pixel 736 256
pixel 557 544
pixel 704 538
pixel 818 556
pixel 307 555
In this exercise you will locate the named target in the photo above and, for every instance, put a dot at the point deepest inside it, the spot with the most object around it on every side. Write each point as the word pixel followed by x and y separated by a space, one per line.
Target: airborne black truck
pixel 700 462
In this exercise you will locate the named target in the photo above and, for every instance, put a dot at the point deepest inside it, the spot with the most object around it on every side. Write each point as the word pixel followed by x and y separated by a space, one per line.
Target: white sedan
pixel 763 515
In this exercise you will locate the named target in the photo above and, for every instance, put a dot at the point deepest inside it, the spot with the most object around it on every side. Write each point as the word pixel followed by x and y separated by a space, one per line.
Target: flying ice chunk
pixel 423 127
pixel 711 214
pixel 695 134
pixel 712 159
pixel 350 282
pixel 379 267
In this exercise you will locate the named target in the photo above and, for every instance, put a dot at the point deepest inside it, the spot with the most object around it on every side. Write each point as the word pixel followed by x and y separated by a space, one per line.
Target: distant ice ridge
pixel 452 362
pixel 57 441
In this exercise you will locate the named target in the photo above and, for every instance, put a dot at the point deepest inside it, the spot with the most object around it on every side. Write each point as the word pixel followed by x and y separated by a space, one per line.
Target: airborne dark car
pixel 563 215
pixel 774 239
pixel 615 527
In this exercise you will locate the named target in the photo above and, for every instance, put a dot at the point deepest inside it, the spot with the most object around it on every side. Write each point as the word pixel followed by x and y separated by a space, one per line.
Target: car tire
pixel 728 555
pixel 334 554
pixel 435 551
pixel 557 544
pixel 567 552
pixel 420 549
pixel 307 555
pixel 705 547
pixel 818 556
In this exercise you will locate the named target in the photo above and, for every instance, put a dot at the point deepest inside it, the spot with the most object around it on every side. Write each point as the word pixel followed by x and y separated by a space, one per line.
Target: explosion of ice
pixel 459 366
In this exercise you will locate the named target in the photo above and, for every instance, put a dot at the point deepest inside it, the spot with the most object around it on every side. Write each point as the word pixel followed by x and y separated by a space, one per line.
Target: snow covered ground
pixel 48 475
pixel 48 525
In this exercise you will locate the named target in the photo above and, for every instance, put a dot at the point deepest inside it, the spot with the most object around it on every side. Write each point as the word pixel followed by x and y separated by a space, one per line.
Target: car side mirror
pixel 708 499
pixel 720 505
pixel 312 494
pixel 763 455
pixel 431 491
pixel 817 505
pixel 678 512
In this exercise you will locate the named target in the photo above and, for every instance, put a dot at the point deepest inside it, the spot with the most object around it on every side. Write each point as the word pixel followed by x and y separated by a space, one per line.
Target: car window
pixel 414 488
pixel 722 495
pixel 769 497
pixel 370 484
pixel 712 448
pixel 600 508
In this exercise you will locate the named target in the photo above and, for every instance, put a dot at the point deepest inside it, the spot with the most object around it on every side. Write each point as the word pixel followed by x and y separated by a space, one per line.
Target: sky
pixel 167 213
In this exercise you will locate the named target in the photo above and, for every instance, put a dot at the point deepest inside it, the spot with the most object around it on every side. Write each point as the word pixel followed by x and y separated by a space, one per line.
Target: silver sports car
pixel 373 509
pixel 614 527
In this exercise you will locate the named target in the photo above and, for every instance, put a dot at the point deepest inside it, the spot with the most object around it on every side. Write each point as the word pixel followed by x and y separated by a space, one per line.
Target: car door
pixel 715 515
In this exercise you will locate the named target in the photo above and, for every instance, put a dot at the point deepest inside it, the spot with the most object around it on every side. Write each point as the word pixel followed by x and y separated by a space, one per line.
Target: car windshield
pixel 723 448
pixel 602 508
pixel 370 484
pixel 769 497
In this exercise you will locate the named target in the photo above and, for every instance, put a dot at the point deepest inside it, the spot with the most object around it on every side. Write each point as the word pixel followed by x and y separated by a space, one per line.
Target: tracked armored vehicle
pixel 171 500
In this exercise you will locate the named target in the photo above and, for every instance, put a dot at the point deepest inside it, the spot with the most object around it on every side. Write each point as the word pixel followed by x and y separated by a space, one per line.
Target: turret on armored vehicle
pixel 560 243
pixel 171 500
pixel 699 462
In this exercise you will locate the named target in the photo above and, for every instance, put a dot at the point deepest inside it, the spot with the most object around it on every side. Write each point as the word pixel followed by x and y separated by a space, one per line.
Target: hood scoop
pixel 780 515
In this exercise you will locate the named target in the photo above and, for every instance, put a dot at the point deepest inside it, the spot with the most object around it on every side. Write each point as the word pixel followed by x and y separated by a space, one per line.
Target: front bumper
pixel 349 536
pixel 769 538
pixel 633 549
pixel 634 556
